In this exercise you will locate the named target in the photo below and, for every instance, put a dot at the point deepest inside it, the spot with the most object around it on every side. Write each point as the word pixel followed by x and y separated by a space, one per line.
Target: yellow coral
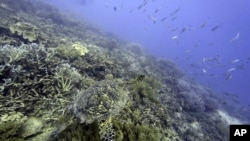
pixel 82 50
pixel 26 30
pixel 74 50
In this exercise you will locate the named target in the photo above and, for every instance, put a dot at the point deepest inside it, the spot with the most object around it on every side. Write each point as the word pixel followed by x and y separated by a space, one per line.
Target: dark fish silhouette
pixel 115 8
pixel 203 25
pixel 163 19
pixel 140 6
pixel 157 10
pixel 183 30
pixel 215 27
pixel 175 12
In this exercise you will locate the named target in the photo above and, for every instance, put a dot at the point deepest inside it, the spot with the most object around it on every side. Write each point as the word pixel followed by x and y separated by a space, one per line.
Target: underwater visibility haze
pixel 116 70
pixel 203 29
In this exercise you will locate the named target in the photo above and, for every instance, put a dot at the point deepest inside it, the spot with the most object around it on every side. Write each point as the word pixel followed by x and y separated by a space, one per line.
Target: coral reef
pixel 72 51
pixel 106 130
pixel 103 99
pixel 63 79
pixel 10 126
pixel 25 30
pixel 131 132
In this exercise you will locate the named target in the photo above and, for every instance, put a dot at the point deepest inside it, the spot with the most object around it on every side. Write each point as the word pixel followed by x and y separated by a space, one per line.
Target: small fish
pixel 115 8
pixel 157 10
pixel 204 24
pixel 231 69
pixel 216 27
pixel 163 19
pixel 235 61
pixel 229 76
pixel 174 37
pixel 204 71
pixel 183 30
pixel 213 75
pixel 209 59
pixel 140 6
pixel 175 12
pixel 153 19
pixel 235 38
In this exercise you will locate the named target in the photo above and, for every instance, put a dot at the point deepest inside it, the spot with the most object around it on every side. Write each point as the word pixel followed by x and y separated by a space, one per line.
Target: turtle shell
pixel 100 101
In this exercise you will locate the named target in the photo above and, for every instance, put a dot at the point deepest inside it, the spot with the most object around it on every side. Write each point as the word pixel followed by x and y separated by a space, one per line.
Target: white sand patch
pixel 229 119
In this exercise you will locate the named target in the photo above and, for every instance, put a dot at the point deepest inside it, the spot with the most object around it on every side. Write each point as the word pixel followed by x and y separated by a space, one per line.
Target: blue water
pixel 125 20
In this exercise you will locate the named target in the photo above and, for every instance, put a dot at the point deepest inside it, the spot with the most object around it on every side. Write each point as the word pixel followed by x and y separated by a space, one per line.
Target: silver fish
pixel 204 71
pixel 235 61
pixel 210 59
pixel 174 37
pixel 153 19
pixel 229 76
pixel 231 69
pixel 235 38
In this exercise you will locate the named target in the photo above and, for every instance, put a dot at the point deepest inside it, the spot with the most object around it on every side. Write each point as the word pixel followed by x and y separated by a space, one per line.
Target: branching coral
pixel 40 75
pixel 10 54
pixel 65 76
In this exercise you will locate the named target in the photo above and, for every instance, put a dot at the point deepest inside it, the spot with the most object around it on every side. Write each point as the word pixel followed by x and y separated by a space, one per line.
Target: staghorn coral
pixel 10 54
pixel 39 74
pixel 34 78
pixel 66 76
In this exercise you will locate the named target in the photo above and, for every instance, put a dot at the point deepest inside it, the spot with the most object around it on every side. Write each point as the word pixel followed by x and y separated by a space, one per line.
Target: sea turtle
pixel 103 99
pixel 100 102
